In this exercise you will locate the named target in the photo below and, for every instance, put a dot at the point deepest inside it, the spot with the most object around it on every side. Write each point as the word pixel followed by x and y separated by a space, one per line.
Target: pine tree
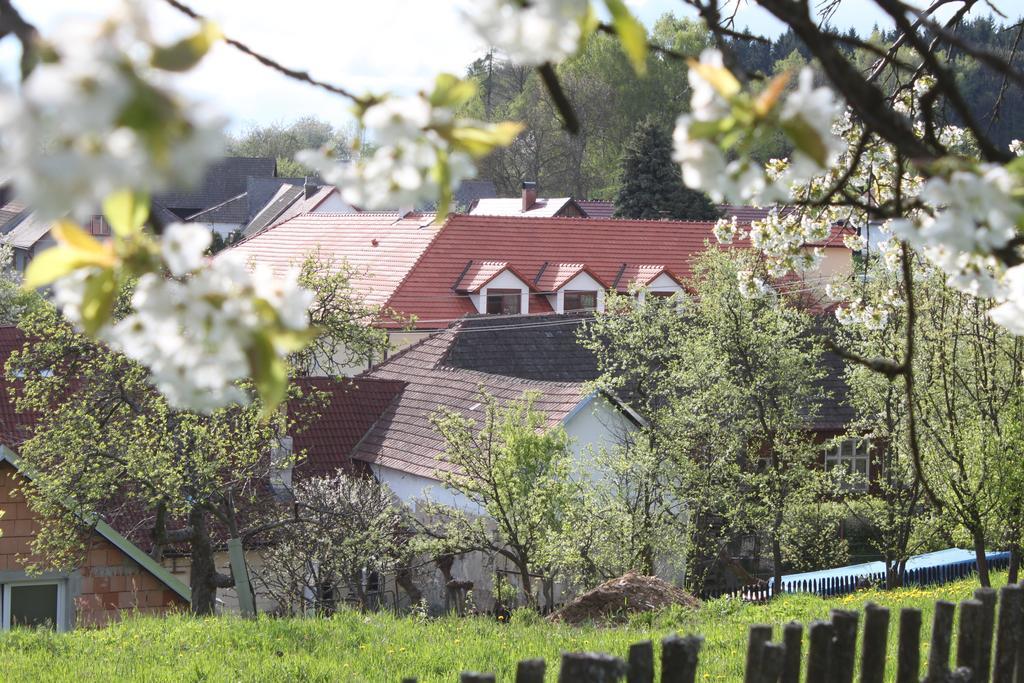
pixel 652 185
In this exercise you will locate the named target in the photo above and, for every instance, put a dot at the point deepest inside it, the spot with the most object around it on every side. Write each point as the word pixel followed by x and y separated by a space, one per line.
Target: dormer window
pixel 580 300
pixel 504 301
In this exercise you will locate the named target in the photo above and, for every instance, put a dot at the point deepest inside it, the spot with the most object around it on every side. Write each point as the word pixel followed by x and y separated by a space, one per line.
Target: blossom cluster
pixel 968 216
pixel 404 170
pixel 195 324
pixel 530 33
pixel 751 286
pixel 867 315
pixel 723 119
pixel 787 241
pixel 89 119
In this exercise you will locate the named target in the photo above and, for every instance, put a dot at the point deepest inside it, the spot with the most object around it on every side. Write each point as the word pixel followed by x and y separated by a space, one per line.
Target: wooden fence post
pixel 908 658
pixel 641 663
pixel 759 635
pixel 942 638
pixel 987 598
pixel 876 637
pixel 792 638
pixel 590 667
pixel 530 671
pixel 968 645
pixel 1010 638
pixel 844 647
pixel 679 658
pixel 772 657
pixel 819 652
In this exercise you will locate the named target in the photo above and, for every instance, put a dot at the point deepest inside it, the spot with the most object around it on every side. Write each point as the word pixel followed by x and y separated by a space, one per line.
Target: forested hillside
pixel 611 101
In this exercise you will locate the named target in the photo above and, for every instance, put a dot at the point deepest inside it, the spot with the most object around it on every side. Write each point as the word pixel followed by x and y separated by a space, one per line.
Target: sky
pixel 363 45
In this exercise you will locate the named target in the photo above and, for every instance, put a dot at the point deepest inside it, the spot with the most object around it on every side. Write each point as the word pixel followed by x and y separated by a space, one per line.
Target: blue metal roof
pixel 939 558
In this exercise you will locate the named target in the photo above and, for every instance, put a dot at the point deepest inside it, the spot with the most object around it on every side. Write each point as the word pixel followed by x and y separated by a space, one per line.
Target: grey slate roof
pixel 234 210
pixel 260 191
pixel 527 347
pixel 471 190
pixel 285 196
pixel 223 180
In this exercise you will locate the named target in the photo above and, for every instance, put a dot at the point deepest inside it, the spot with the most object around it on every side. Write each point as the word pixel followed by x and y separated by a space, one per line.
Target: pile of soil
pixel 613 600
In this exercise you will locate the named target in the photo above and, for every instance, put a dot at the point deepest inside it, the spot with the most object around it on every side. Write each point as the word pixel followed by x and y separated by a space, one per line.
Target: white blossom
pixel 1010 313
pixel 817 108
pixel 727 231
pixel 1017 147
pixel 403 171
pixel 854 242
pixel 529 33
pixel 751 286
pixel 183 246
pixel 64 138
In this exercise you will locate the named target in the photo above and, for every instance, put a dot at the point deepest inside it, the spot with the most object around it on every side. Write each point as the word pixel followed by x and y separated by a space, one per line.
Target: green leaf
pixel 806 139
pixel 269 374
pixel 720 78
pixel 290 341
pixel 482 141
pixel 186 53
pixel 51 265
pixel 126 211
pixel 98 300
pixel 632 34
pixel 451 91
pixel 443 176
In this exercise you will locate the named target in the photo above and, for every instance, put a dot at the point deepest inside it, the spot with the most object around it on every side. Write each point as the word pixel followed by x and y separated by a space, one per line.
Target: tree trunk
pixel 979 555
pixel 524 576
pixel 403 579
pixel 204 570
pixel 1014 569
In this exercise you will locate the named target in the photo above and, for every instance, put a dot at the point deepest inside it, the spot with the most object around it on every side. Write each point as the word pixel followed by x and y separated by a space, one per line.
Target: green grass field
pixel 379 647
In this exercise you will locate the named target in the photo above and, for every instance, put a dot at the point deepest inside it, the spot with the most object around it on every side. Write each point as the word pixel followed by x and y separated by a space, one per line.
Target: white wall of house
pixel 504 280
pixel 660 284
pixel 581 282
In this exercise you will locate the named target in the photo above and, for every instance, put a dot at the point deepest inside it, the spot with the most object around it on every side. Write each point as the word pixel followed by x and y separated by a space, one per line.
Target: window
pixel 579 301
pixel 36 604
pixel 503 301
pixel 854 456
pixel 661 295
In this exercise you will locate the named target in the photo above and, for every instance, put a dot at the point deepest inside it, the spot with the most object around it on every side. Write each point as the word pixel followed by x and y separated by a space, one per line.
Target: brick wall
pixel 111 583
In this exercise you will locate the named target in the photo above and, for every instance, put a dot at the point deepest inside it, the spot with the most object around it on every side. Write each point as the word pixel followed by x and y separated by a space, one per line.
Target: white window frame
pixel 62 591
pixel 847 454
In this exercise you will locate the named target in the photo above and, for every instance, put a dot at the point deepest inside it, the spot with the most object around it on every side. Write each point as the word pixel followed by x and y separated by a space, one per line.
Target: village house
pixel 114 578
pixel 427 275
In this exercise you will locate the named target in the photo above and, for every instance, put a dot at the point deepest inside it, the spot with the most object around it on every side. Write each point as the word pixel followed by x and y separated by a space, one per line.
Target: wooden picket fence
pixel 832 650
pixel 844 585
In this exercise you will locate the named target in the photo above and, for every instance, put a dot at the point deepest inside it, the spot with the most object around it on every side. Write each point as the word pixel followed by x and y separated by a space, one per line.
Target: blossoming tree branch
pixel 94 122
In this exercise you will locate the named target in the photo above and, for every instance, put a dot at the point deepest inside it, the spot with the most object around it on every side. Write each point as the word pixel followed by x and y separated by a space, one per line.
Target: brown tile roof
pixel 14 426
pixel 597 208
pixel 351 408
pixel 403 438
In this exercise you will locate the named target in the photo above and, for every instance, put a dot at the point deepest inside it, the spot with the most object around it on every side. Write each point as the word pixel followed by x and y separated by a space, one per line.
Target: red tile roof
pixel 606 247
pixel 351 408
pixel 381 246
pixel 553 276
pixel 427 271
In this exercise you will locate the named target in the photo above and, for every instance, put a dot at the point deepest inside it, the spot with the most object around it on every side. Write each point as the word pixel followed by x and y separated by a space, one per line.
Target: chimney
pixel 309 188
pixel 529 195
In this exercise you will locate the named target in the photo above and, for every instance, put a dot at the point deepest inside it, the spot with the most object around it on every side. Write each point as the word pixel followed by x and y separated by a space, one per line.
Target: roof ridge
pixel 581 219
